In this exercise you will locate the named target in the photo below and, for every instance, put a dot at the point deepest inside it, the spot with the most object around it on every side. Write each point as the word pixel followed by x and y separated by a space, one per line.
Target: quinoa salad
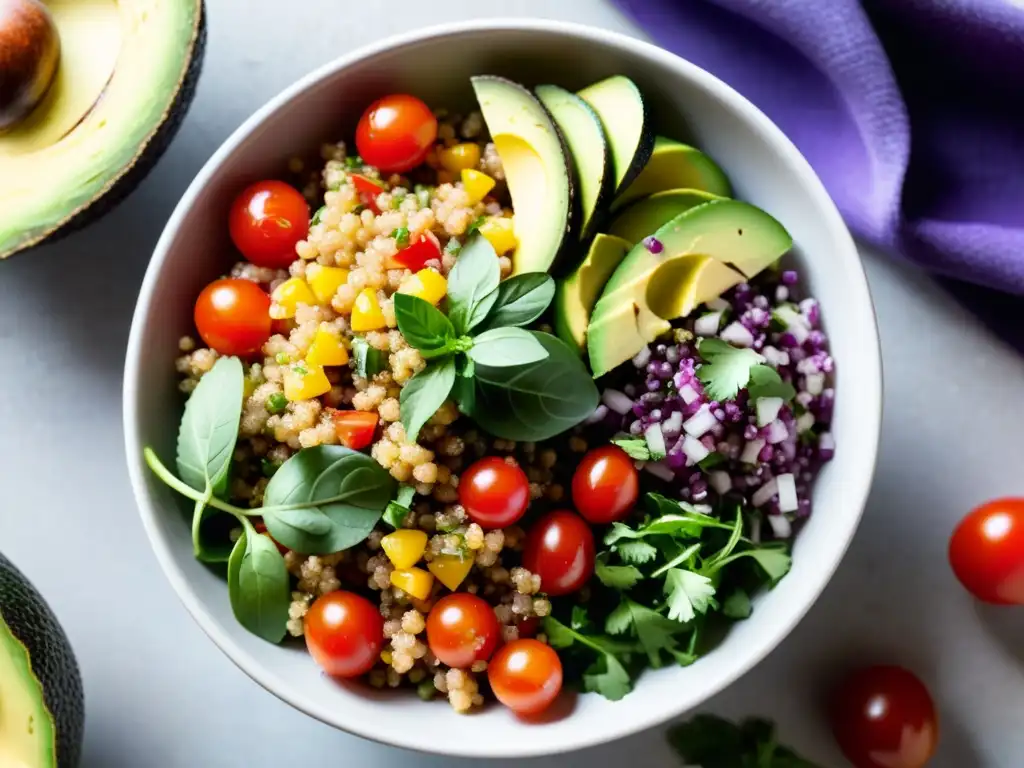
pixel 499 402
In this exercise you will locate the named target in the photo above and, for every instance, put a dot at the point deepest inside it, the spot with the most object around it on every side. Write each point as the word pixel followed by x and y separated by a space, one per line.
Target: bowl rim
pixel 870 380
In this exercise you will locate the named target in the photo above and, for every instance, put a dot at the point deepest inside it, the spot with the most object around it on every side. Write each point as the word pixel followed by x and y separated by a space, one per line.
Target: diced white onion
pixel 641 358
pixel 781 293
pixel 764 494
pixel 689 394
pixel 617 401
pixel 751 451
pixel 700 509
pixel 599 413
pixel 826 442
pixel 655 440
pixel 707 325
pixel 767 410
pixel 780 526
pixel 695 450
pixel 718 304
pixel 804 421
pixel 794 322
pixel 815 383
pixel 672 424
pixel 777 432
pixel 660 470
pixel 775 357
pixel 737 333
pixel 698 424
pixel 786 485
pixel 720 481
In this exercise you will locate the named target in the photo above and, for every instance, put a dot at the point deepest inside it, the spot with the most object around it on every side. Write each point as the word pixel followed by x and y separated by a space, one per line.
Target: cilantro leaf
pixel 396 510
pixel 634 447
pixel 607 677
pixel 636 552
pixel 559 635
pixel 654 632
pixel 714 742
pixel 775 562
pixel 766 382
pixel 688 593
pixel 620 619
pixel 726 369
pixel 617 576
pixel 737 605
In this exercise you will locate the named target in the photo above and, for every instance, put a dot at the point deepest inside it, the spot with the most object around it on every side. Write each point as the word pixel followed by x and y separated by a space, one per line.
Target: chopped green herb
pixel 300 369
pixel 358 208
pixel 282 358
pixel 397 510
pixel 277 402
pixel 316 216
pixel 453 246
pixel 737 605
pixel 423 193
pixel 634 447
pixel 426 689
pixel 369 360
pixel 713 742
pixel 475 226
pixel 353 161
pixel 711 461
pixel 401 235
pixel 726 369
pixel 766 382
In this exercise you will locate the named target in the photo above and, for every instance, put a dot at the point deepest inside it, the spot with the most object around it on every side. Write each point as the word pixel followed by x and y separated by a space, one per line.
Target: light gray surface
pixel 160 694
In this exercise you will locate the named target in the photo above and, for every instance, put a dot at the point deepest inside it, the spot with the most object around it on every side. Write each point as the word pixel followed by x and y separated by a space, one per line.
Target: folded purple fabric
pixel 911 112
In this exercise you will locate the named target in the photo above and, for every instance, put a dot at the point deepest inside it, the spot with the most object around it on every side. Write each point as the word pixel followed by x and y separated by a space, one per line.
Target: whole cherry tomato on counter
pixel 494 493
pixel 266 222
pixel 232 316
pixel 526 676
pixel 987 552
pixel 395 133
pixel 605 485
pixel 560 549
pixel 344 633
pixel 884 717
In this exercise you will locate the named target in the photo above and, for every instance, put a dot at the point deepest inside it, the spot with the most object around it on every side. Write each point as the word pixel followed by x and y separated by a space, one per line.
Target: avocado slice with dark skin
pixel 692 259
pixel 647 215
pixel 538 172
pixel 627 125
pixel 578 293
pixel 41 700
pixel 674 165
pixel 591 155
pixel 126 74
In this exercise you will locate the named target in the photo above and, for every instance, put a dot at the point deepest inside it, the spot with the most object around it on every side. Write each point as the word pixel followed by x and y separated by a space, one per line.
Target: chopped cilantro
pixel 397 510
pixel 317 215
pixel 726 369
pixel 401 236
pixel 282 358
pixel 766 382
pixel 606 675
pixel 634 447
pixel 353 161
pixel 423 193
pixel 617 576
pixel 737 605
pixel 453 246
pixel 688 593
pixel 475 226
pixel 300 369
pixel 277 402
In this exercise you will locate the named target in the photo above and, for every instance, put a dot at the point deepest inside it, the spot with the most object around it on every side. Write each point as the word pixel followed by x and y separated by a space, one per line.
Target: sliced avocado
pixel 537 167
pixel 674 165
pixel 623 114
pixel 578 293
pixel 581 128
pixel 646 216
pixel 41 704
pixel 691 267
pixel 125 77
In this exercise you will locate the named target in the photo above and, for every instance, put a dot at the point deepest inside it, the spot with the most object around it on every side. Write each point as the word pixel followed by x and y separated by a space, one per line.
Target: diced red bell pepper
pixel 368 190
pixel 421 250
pixel 355 429
pixel 261 527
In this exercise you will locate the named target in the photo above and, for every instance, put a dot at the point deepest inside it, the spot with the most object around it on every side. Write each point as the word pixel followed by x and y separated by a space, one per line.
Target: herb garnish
pixel 401 235
pixel 369 360
pixel 727 369
pixel 713 742
pixel 397 509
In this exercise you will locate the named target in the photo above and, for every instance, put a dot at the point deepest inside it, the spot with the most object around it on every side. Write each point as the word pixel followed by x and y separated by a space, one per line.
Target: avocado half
pixel 126 76
pixel 41 701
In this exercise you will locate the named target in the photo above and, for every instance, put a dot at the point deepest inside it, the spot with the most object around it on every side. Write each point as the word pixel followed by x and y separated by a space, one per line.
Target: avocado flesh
pixel 620 106
pixel 674 165
pixel 122 67
pixel 646 216
pixel 591 155
pixel 26 728
pixel 648 290
pixel 578 293
pixel 536 168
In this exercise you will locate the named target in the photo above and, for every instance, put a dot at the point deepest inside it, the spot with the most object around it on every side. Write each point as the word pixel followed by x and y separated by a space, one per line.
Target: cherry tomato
pixel 494 493
pixel 266 222
pixel 422 249
pixel 344 633
pixel 884 717
pixel 528 627
pixel 462 628
pixel 560 549
pixel 233 316
pixel 605 485
pixel 526 676
pixel 395 133
pixel 368 190
pixel 987 552
pixel 355 429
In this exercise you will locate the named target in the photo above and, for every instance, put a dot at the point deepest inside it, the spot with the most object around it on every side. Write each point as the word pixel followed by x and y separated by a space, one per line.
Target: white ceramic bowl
pixel 765 168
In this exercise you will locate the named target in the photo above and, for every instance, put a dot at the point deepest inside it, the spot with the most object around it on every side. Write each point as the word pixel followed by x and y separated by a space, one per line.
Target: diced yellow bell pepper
pixel 404 548
pixel 500 233
pixel 326 349
pixel 460 157
pixel 413 581
pixel 287 297
pixel 386 656
pixel 477 184
pixel 305 381
pixel 325 281
pixel 450 570
pixel 427 284
pixel 366 312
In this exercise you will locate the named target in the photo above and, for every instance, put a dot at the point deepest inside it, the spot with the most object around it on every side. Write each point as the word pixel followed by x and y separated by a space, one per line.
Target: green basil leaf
pixel 475 275
pixel 398 509
pixel 424 393
pixel 211 534
pixel 520 300
pixel 423 325
pixel 369 360
pixel 209 428
pixel 464 393
pixel 538 400
pixel 258 585
pixel 326 499
pixel 503 347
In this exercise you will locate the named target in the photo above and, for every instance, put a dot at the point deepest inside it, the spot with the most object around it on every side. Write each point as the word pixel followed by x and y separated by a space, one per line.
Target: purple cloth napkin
pixel 911 112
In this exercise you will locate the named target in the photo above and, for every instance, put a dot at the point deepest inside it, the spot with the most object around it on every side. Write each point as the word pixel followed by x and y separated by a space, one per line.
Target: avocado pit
pixel 29 55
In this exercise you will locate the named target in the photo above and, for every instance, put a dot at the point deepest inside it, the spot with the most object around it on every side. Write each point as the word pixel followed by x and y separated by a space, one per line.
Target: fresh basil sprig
pixel 258 585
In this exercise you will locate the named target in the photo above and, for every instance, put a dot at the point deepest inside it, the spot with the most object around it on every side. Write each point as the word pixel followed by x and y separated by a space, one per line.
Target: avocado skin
pixel 32 622
pixel 107 201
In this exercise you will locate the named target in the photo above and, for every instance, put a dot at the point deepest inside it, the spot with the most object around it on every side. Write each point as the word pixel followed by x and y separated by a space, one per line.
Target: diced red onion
pixel 695 450
pixel 641 358
pixel 738 334
pixel 702 421
pixel 805 421
pixel 720 481
pixel 777 432
pixel 786 486
pixel 617 401
pixel 707 325
pixel 660 470
pixel 689 394
pixel 780 526
pixel 751 451
pixel 653 244
pixel 764 494
pixel 815 383
pixel 794 322
pixel 767 410
pixel 598 415
pixel 655 440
